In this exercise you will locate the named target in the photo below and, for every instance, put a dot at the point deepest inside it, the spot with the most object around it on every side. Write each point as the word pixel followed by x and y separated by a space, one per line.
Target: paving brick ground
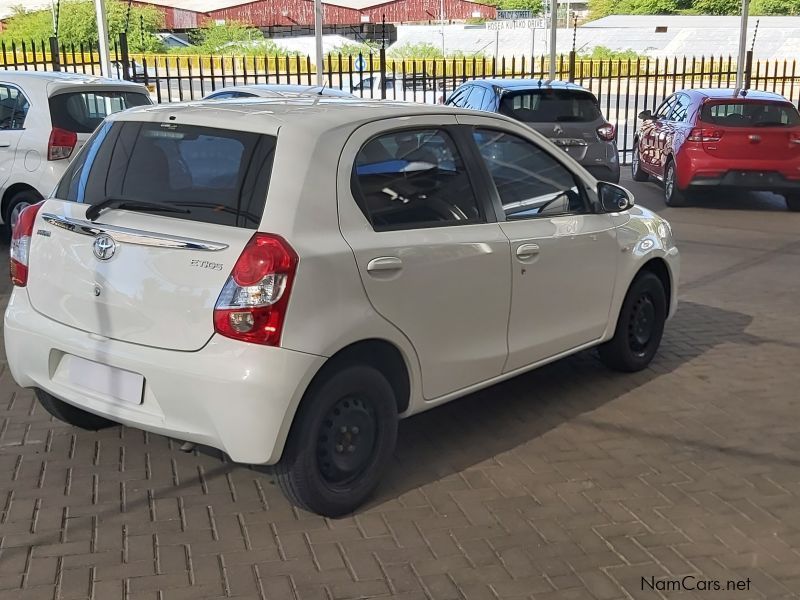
pixel 568 483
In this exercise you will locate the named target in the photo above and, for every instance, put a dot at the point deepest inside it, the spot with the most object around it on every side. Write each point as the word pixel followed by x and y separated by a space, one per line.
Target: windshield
pixel 220 176
pixel 548 106
pixel 751 114
pixel 82 112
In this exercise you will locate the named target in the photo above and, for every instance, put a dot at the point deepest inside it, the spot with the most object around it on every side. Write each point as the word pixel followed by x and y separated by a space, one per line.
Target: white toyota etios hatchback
pixel 284 280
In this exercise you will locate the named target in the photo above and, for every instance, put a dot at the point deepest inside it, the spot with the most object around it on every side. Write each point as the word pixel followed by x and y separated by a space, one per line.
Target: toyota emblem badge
pixel 104 247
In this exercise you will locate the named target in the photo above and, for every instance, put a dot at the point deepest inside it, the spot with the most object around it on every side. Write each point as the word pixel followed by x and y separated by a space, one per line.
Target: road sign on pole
pixel 516 24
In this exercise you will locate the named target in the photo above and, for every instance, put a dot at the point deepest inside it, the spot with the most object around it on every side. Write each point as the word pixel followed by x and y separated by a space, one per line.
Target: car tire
pixel 639 327
pixel 341 441
pixel 636 165
pixel 16 204
pixel 793 202
pixel 673 196
pixel 72 415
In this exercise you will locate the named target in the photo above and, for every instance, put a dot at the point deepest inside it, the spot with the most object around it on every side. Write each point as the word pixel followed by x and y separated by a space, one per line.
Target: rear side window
pixel 82 112
pixel 220 176
pixel 411 179
pixel 550 106
pixel 750 114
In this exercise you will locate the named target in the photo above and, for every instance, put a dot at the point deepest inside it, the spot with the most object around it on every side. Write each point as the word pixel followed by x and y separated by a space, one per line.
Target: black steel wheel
pixel 341 441
pixel 639 327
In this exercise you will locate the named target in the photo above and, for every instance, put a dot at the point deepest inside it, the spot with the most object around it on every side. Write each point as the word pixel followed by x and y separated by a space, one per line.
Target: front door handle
pixel 5 144
pixel 526 251
pixel 384 263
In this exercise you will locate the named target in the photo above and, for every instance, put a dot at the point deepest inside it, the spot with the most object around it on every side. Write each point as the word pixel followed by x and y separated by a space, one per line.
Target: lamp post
pixel 553 29
pixel 102 37
pixel 318 42
pixel 742 45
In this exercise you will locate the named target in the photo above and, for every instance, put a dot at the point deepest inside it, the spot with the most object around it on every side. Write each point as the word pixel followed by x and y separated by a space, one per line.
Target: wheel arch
pixel 659 267
pixel 12 191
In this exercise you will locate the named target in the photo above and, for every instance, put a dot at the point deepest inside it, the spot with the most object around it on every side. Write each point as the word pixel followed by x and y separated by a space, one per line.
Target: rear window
pixel 750 114
pixel 82 112
pixel 549 106
pixel 220 176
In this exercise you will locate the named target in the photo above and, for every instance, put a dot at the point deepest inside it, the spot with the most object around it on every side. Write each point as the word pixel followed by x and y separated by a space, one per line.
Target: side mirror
pixel 613 198
pixel 646 115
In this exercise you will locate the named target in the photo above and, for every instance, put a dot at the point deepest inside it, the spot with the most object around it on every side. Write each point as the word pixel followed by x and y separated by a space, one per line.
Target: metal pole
pixel 318 39
pixel 441 19
pixel 102 37
pixel 496 46
pixel 553 28
pixel 533 48
pixel 742 45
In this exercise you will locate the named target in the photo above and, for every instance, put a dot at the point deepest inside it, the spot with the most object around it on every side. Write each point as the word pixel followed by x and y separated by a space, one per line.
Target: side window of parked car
pixel 13 108
pixel 665 109
pixel 530 182
pixel 475 98
pixel 410 179
pixel 680 109
pixel 457 99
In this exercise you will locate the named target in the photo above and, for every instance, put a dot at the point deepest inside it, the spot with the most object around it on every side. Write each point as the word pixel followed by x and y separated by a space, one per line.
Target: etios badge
pixel 104 247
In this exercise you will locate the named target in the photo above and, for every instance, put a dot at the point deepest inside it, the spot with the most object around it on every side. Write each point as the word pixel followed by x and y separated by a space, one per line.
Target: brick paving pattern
pixel 568 483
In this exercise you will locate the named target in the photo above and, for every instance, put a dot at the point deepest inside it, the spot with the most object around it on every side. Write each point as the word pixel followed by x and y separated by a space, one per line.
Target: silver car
pixel 567 114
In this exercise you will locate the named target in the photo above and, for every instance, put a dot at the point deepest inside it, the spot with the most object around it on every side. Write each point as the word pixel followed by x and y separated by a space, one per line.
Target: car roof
pixel 56 81
pixel 281 88
pixel 316 114
pixel 526 84
pixel 731 93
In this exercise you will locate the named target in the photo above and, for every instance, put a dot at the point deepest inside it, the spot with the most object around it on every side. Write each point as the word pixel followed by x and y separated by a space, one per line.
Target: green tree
pixel 420 50
pixel 224 37
pixel 77 24
pixel 533 5
pixel 716 7
pixel 775 7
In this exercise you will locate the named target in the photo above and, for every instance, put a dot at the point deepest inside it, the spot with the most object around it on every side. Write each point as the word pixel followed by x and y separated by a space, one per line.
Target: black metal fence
pixel 623 87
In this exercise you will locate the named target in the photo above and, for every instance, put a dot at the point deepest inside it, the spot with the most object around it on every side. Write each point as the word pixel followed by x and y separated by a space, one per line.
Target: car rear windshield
pixel 750 114
pixel 220 176
pixel 83 111
pixel 548 106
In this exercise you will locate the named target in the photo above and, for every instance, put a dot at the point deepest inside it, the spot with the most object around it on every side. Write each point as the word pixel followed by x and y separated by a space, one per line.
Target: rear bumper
pixel 237 397
pixel 698 169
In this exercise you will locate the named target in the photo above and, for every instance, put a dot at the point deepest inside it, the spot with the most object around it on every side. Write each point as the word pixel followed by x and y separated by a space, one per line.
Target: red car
pixel 720 138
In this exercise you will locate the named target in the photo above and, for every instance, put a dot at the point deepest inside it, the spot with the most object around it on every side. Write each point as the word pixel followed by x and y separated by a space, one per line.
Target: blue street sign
pixel 360 64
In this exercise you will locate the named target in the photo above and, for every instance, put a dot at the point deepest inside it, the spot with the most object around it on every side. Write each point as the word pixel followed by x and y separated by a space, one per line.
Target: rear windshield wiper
pixel 145 205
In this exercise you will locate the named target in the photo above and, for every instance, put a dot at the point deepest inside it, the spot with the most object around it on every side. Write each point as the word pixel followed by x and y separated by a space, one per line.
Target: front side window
pixel 82 112
pixel 13 108
pixel 410 179
pixel 666 107
pixel 475 98
pixel 530 182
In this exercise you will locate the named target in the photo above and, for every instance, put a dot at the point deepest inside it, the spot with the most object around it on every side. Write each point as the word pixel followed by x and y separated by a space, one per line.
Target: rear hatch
pixel 146 276
pixel 76 111
pixel 570 118
pixel 750 129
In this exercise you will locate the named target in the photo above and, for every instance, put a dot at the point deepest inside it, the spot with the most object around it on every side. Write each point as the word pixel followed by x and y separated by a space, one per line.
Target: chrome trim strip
pixel 132 236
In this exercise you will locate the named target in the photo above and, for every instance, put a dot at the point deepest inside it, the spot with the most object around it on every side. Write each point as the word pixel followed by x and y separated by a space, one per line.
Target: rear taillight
pixel 21 244
pixel 704 134
pixel 253 303
pixel 61 144
pixel 606 132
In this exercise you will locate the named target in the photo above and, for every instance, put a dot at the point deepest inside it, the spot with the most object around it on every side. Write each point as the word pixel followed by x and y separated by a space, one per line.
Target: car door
pixel 563 255
pixel 432 258
pixel 679 125
pixel 13 111
pixel 651 137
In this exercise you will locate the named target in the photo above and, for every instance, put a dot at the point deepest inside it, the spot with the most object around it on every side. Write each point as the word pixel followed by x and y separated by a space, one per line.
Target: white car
pixel 274 90
pixel 45 117
pixel 283 280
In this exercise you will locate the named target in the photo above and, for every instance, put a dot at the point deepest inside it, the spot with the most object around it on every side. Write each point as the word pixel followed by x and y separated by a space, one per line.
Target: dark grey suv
pixel 564 112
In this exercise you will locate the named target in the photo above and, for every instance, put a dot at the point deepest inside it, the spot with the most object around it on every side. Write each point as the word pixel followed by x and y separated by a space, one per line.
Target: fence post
pixel 572 66
pixel 124 58
pixel 748 69
pixel 55 57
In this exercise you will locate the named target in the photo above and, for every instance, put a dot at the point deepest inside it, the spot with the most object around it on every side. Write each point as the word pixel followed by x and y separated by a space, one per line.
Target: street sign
pixel 505 15
pixel 516 24
pixel 360 64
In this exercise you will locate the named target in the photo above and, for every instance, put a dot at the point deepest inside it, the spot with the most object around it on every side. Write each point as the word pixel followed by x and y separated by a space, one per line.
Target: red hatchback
pixel 706 138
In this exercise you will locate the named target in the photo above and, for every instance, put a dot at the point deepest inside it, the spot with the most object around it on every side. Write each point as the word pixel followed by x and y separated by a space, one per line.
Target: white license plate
pixel 124 386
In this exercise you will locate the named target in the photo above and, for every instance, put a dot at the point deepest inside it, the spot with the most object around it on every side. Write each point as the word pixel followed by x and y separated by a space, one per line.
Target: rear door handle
pixel 5 144
pixel 526 251
pixel 384 263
